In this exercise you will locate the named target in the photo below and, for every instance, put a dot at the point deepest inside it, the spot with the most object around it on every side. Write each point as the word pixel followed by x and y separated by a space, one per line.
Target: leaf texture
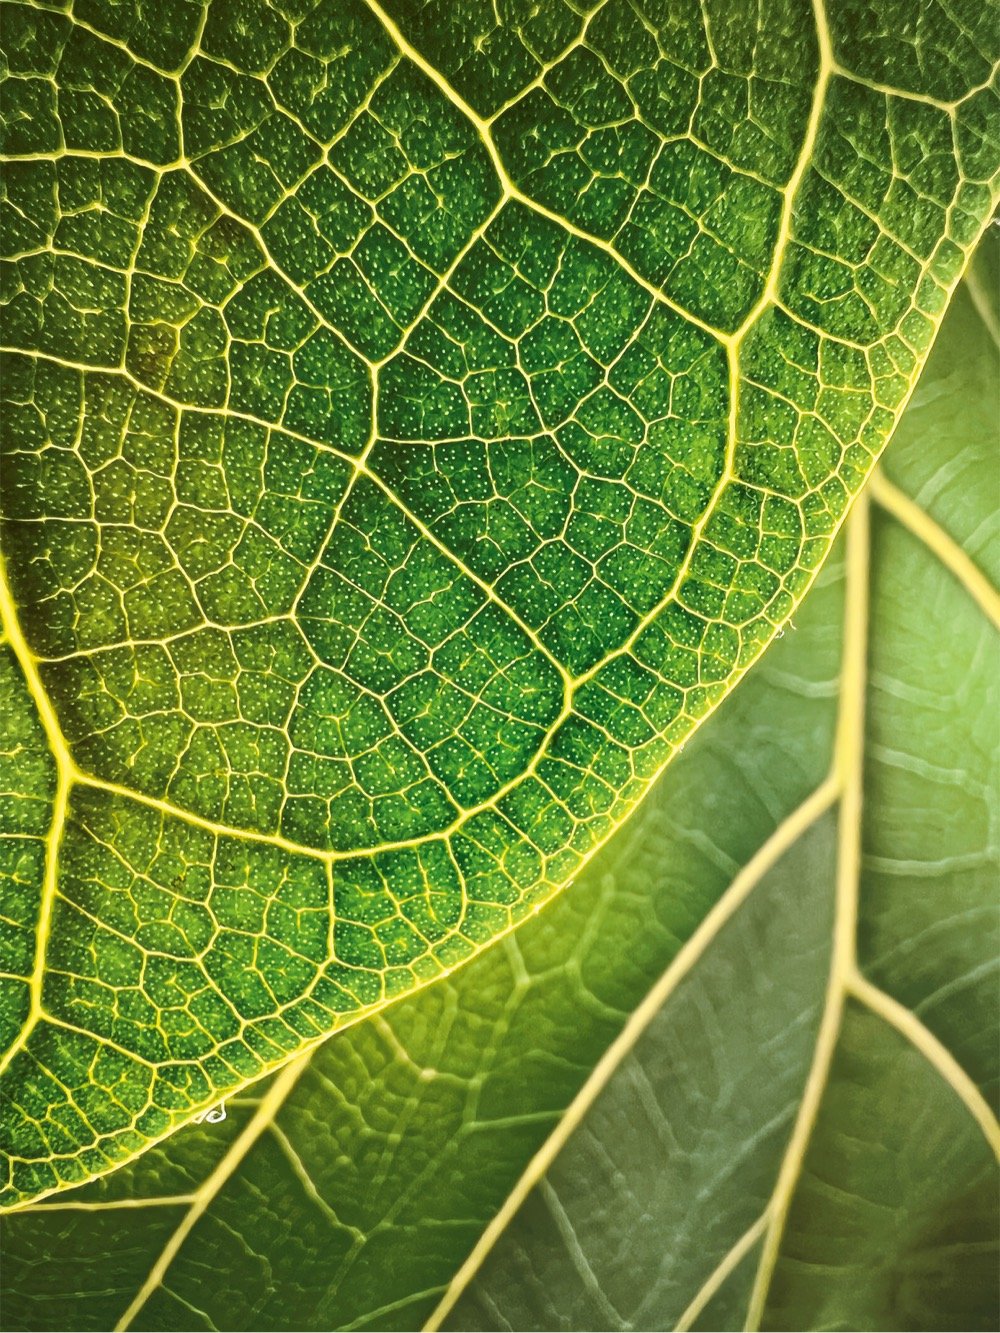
pixel 416 422
pixel 744 1074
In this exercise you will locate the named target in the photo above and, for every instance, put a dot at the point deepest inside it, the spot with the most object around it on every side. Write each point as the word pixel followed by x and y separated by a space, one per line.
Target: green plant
pixel 274 609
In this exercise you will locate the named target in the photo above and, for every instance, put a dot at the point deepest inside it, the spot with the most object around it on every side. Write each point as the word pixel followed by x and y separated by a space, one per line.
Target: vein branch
pixel 727 1265
pixel 941 544
pixel 906 1022
pixel 262 1118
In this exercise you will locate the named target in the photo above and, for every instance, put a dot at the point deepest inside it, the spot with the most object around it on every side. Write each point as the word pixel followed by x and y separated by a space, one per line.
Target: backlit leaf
pixel 762 1023
pixel 417 418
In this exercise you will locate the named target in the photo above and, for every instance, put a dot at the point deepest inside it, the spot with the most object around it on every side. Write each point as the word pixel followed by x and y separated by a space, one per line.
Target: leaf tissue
pixel 417 417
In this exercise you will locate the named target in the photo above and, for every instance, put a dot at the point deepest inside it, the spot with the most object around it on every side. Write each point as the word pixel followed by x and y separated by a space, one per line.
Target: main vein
pixel 65 769
pixel 848 768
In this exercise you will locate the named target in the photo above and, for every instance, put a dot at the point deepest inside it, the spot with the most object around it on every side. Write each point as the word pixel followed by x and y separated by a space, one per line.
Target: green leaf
pixel 417 420
pixel 745 1067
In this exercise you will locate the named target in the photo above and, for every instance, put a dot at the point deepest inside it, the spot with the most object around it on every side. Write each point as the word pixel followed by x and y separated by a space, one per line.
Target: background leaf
pixel 655 1105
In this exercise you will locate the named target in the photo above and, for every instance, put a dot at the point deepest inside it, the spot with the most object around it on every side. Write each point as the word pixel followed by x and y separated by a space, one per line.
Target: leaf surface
pixel 744 1072
pixel 415 424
